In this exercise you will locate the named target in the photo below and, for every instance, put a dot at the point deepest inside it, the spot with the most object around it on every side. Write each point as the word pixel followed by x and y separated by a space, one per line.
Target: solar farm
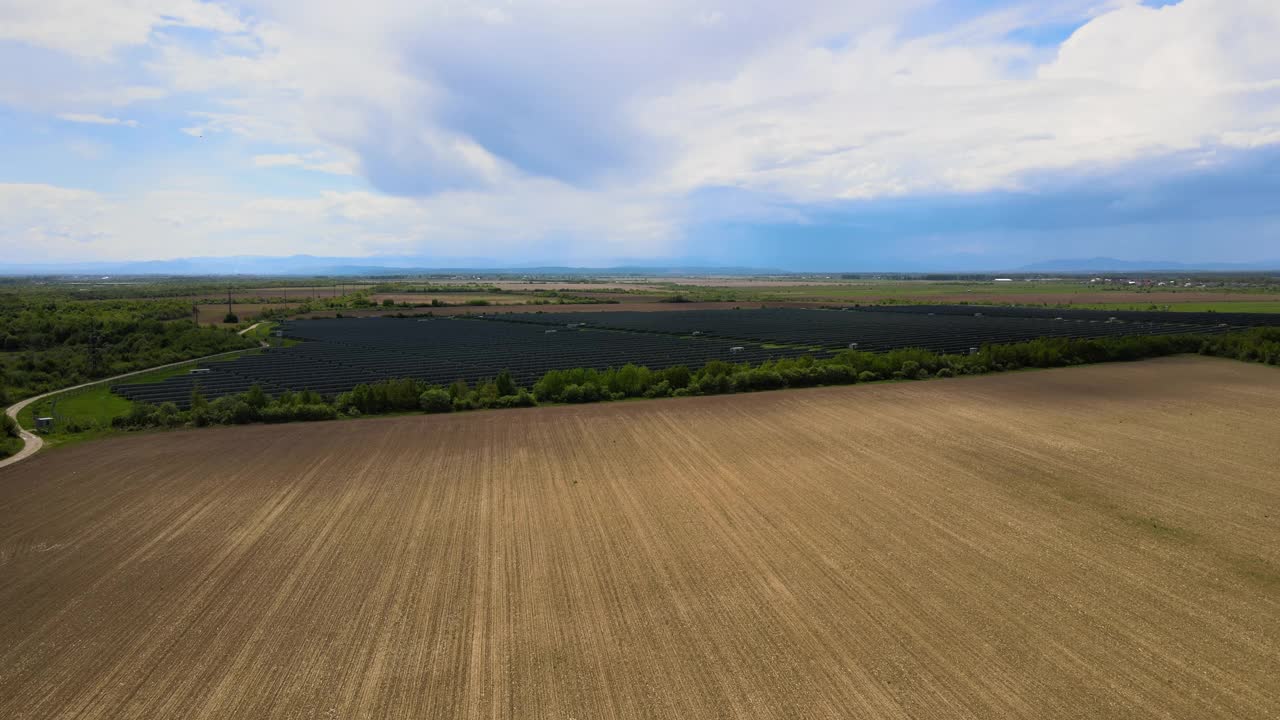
pixel 338 354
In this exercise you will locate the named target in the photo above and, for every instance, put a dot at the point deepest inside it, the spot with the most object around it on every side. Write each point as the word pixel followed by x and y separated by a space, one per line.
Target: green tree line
pixel 584 385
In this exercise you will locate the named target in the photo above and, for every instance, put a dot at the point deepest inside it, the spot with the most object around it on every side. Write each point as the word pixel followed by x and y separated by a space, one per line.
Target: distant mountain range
pixel 1105 264
pixel 309 265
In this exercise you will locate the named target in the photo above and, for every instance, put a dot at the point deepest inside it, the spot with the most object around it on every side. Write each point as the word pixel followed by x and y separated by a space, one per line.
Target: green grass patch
pixel 87 413
pixel 93 406
pixel 261 332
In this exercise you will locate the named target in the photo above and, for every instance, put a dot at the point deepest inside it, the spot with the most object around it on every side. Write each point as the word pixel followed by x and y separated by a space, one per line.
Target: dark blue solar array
pixel 871 330
pixel 340 354
pixel 337 355
pixel 1153 316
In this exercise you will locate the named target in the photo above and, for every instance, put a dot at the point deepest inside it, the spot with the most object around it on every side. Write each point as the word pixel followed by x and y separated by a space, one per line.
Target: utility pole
pixel 228 299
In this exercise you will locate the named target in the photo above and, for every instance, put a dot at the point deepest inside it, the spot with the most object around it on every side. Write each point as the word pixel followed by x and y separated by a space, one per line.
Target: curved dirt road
pixel 32 442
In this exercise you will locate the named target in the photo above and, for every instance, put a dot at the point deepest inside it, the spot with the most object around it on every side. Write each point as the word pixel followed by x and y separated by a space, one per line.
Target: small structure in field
pixel 853 346
pixel 973 351
pixel 736 349
pixel 199 371
pixel 44 423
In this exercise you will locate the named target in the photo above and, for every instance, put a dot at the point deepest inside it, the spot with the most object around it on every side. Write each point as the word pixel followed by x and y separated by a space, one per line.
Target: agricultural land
pixel 1083 542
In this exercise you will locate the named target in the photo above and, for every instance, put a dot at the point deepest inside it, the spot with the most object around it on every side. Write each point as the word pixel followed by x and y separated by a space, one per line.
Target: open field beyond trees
pixel 1084 542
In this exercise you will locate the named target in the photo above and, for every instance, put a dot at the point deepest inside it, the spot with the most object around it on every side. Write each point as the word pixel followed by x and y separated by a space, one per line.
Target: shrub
pixel 661 389
pixel 435 400
pixel 231 318
pixel 8 427
pixel 522 398
pixel 677 377
pixel 867 376
pixel 945 373
pixel 167 415
pixel 256 397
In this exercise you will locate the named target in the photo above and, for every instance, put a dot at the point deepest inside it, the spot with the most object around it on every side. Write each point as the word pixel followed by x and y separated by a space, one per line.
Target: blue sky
pixel 812 135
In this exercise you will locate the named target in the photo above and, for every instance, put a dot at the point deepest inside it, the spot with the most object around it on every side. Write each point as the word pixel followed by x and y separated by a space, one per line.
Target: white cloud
pixel 534 120
pixel 95 119
pixel 311 161
pixel 884 116
pixel 97 28
pixel 50 223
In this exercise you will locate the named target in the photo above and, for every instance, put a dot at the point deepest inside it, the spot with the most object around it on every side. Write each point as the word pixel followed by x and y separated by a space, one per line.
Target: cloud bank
pixel 750 133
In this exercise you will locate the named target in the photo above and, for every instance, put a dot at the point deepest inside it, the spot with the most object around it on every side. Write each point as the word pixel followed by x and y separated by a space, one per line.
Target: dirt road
pixel 1092 542
pixel 32 442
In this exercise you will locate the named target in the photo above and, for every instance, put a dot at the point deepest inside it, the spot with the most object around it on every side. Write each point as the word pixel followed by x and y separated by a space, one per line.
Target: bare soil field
pixel 573 287
pixel 1095 542
pixel 455 298
pixel 213 314
pixel 566 308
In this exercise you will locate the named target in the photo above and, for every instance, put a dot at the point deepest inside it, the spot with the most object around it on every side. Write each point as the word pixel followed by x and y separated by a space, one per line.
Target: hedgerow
pixel 587 385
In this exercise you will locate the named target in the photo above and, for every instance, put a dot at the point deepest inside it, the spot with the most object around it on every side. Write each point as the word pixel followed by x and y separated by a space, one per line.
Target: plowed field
pixel 1095 542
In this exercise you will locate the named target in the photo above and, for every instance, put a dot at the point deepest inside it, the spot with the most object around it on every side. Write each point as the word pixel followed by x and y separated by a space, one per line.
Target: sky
pixel 800 135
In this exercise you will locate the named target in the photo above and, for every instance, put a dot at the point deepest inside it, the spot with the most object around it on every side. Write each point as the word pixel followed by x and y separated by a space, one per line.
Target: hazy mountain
pixel 340 266
pixel 309 265
pixel 1103 264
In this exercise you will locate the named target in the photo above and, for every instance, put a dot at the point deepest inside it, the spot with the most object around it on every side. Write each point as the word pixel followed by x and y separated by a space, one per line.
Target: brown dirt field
pixel 213 314
pixel 1092 542
pixel 458 298
pixel 584 307
pixel 576 287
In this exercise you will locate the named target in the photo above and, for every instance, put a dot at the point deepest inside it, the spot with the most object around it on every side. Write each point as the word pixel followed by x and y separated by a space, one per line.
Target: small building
pixel 199 371
pixel 736 349
pixel 44 423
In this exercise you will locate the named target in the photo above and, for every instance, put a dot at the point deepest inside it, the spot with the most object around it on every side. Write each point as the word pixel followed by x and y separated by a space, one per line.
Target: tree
pixel 256 398
pixel 197 399
pixel 231 318
pixel 8 428
pixel 506 386
pixel 435 400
